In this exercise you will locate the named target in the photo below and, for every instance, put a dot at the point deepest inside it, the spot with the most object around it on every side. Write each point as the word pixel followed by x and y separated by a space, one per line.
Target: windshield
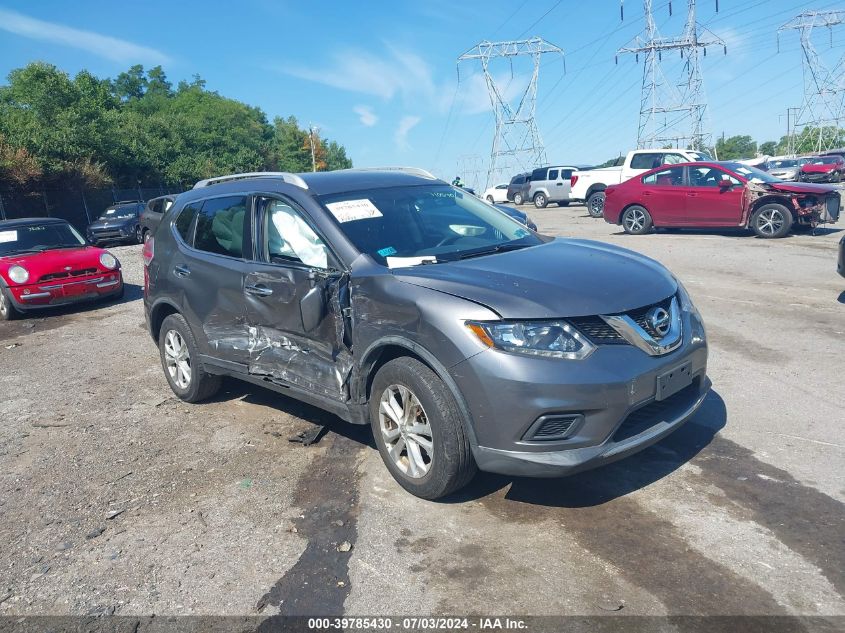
pixel 700 156
pixel 751 173
pixel 825 160
pixel 780 164
pixel 406 226
pixel 113 213
pixel 38 237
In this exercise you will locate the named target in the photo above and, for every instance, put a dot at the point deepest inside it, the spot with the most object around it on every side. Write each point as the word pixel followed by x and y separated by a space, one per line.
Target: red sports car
pixel 823 169
pixel 718 194
pixel 46 262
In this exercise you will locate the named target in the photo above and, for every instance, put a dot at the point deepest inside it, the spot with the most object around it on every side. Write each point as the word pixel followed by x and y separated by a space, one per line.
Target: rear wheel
pixel 490 199
pixel 179 358
pixel 517 198
pixel 8 312
pixel 595 204
pixel 147 235
pixel 540 200
pixel 636 220
pixel 419 431
pixel 139 235
pixel 771 221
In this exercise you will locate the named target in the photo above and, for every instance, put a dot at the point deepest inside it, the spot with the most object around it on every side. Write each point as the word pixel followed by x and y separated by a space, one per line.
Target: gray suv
pixel 391 298
pixel 550 184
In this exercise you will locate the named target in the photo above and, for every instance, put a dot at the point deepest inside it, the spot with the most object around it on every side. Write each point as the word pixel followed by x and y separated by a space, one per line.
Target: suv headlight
pixel 553 339
pixel 108 261
pixel 18 274
pixel 699 333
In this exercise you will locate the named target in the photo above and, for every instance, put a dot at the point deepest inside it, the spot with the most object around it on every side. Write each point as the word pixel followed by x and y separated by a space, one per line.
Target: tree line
pixel 137 129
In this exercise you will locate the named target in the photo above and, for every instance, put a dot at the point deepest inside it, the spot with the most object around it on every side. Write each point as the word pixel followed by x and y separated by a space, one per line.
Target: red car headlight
pixel 18 274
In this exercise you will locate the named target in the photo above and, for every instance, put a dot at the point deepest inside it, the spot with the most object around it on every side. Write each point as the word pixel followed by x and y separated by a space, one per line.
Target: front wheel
pixel 139 235
pixel 8 312
pixel 771 221
pixel 490 199
pixel 540 200
pixel 595 204
pixel 517 198
pixel 636 220
pixel 180 360
pixel 419 431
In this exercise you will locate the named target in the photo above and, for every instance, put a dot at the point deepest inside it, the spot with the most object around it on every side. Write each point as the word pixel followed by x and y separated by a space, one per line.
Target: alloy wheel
pixel 405 430
pixel 3 306
pixel 177 359
pixel 634 220
pixel 596 206
pixel 770 222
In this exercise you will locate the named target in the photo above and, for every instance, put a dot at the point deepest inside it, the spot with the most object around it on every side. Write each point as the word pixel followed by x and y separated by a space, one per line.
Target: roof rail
pixel 291 179
pixel 416 171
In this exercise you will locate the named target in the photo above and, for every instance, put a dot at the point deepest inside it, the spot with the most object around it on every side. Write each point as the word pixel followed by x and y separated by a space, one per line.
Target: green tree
pixel 769 148
pixel 736 147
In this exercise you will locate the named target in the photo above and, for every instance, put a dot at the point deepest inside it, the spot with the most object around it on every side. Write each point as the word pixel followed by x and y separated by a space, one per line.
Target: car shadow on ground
pixel 598 486
pixel 586 489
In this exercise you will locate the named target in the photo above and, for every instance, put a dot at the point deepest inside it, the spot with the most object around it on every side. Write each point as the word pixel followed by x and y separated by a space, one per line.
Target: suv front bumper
pixel 611 395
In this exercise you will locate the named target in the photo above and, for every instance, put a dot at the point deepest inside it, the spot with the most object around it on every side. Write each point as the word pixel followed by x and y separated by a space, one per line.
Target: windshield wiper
pixel 499 248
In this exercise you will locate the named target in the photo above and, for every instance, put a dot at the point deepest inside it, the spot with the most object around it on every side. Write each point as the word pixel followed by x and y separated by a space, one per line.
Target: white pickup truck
pixel 588 186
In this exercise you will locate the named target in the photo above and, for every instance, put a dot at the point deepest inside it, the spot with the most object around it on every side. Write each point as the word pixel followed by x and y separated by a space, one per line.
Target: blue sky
pixel 380 77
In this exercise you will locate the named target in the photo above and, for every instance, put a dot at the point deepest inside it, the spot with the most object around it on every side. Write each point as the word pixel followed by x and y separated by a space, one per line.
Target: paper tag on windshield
pixel 110 211
pixel 402 262
pixel 351 210
pixel 8 236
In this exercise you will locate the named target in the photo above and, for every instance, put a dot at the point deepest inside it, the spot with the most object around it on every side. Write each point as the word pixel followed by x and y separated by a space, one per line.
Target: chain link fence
pixel 78 206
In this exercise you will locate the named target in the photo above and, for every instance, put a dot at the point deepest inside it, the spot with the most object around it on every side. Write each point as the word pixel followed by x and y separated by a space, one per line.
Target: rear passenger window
pixel 646 161
pixel 220 226
pixel 184 220
pixel 553 174
pixel 566 174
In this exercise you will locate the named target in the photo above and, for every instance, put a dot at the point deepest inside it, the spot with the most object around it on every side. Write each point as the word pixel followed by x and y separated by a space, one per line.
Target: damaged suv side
pixel 392 299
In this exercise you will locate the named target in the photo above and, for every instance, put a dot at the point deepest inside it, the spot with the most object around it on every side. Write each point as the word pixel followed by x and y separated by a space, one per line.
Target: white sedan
pixel 499 193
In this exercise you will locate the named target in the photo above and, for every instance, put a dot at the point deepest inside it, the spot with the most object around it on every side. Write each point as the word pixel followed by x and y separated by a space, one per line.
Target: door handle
pixel 691 194
pixel 258 290
pixel 181 271
pixel 559 184
pixel 646 193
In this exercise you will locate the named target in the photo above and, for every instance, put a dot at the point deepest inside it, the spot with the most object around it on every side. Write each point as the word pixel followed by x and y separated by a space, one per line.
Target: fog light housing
pixel 553 427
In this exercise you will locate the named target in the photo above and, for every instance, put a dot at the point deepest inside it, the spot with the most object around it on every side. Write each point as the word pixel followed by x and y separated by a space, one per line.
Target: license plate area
pixel 672 381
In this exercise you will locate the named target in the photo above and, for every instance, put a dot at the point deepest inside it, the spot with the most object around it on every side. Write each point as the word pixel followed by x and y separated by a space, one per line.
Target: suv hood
pixel 562 278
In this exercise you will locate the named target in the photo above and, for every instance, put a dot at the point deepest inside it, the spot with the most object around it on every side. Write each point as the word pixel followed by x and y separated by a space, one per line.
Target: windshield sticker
pixel 110 211
pixel 384 252
pixel 8 236
pixel 402 262
pixel 351 210
pixel 520 233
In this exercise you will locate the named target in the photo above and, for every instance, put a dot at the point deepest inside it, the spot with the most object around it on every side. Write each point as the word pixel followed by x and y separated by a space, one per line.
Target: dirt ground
pixel 115 497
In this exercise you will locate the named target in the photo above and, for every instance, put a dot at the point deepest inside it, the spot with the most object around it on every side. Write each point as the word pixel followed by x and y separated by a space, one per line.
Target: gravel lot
pixel 117 498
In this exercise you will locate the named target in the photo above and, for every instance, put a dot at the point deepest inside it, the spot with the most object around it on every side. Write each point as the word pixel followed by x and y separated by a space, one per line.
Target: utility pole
pixel 516 136
pixel 669 113
pixel 311 131
pixel 822 111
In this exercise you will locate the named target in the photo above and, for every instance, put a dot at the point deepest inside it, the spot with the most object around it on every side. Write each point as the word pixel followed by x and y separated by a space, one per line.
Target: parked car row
pixel 829 167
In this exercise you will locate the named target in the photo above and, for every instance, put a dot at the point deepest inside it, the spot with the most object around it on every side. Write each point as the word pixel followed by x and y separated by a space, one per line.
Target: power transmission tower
pixel 672 114
pixel 470 167
pixel 516 137
pixel 822 112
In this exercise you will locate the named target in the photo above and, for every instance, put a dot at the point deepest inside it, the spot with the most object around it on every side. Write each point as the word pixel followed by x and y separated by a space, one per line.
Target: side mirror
pixel 725 183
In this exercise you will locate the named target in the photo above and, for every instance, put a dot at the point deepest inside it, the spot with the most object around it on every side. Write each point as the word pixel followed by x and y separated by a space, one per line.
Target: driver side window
pixel 288 238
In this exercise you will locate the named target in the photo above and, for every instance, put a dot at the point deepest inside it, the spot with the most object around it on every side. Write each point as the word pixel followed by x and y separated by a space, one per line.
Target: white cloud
pixel 406 124
pixel 386 76
pixel 366 115
pixel 109 47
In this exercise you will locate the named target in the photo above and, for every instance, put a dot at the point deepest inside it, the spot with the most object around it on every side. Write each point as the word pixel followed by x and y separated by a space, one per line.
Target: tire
pixel 517 198
pixel 771 220
pixel 120 293
pixel 595 204
pixel 540 200
pixel 450 464
pixel 139 235
pixel 837 177
pixel 490 199
pixel 199 384
pixel 147 235
pixel 8 312
pixel 636 220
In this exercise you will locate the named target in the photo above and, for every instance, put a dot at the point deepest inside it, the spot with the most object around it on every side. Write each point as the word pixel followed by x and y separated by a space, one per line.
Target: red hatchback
pixel 46 262
pixel 718 194
pixel 823 169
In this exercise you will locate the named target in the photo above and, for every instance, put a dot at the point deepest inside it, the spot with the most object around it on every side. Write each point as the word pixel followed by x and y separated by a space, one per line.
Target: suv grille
pixel 657 411
pixel 69 273
pixel 600 333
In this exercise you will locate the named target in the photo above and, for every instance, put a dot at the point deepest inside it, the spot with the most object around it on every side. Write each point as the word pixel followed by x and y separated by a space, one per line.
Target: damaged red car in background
pixel 45 262
pixel 718 195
